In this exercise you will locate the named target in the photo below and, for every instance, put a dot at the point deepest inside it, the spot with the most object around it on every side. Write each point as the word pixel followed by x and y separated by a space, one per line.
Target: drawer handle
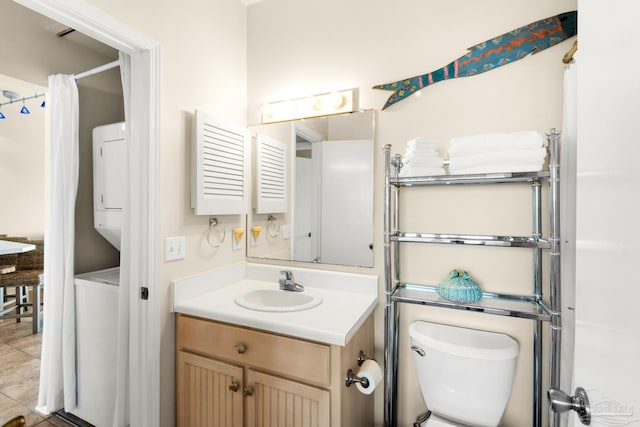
pixel 241 348
pixel 234 386
pixel 247 391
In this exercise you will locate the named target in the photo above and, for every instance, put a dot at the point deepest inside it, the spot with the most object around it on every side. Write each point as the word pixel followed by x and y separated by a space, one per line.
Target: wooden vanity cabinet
pixel 229 375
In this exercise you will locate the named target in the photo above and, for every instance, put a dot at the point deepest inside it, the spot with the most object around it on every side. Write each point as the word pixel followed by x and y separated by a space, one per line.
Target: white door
pixel 302 235
pixel 347 201
pixel 607 345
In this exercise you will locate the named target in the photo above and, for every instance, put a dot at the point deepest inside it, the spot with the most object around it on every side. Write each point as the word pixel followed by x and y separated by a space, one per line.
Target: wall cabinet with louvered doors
pixel 219 166
pixel 230 376
pixel 530 306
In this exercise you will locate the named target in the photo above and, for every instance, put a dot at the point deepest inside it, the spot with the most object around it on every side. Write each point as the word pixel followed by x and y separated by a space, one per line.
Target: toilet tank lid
pixel 464 342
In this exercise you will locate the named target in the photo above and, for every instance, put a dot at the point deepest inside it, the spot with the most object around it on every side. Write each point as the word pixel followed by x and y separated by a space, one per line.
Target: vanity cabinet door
pixel 209 392
pixel 277 402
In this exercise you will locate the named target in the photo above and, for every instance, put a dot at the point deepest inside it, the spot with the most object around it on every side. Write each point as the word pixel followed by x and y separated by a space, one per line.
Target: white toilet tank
pixel 465 375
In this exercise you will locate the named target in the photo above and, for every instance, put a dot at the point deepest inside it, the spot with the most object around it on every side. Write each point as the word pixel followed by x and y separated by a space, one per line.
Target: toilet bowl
pixel 465 375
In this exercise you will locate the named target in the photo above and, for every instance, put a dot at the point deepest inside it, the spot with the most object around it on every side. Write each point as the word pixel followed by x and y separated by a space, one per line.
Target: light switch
pixel 286 231
pixel 175 248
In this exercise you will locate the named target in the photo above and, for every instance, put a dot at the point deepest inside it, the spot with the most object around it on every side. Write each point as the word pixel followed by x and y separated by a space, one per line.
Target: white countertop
pixel 348 300
pixel 8 247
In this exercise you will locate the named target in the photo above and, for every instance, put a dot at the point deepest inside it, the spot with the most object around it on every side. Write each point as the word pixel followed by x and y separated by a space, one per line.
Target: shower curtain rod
pixel 97 70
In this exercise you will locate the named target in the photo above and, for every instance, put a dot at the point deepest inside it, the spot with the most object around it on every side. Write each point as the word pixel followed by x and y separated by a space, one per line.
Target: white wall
pixel 303 47
pixel 203 66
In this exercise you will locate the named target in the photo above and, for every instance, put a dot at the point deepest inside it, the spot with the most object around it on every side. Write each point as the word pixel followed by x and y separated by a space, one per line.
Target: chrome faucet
pixel 288 283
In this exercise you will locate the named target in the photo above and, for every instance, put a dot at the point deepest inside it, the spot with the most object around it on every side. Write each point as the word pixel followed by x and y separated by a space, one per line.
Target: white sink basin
pixel 276 300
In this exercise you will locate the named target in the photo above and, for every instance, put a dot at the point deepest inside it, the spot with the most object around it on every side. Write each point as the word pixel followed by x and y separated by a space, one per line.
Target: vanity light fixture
pixel 337 102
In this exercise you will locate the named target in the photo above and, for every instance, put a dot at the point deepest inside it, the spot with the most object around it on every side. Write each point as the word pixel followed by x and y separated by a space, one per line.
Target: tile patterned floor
pixel 20 373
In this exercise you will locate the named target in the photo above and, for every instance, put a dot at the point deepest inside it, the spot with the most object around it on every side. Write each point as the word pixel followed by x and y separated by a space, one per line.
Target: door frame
pixel 144 325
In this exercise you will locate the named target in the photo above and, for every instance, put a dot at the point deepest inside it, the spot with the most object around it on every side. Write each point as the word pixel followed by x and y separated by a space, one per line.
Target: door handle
pixel 562 402
pixel 247 391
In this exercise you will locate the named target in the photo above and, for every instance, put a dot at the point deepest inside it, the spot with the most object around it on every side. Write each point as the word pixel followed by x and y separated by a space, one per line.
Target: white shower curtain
pixel 58 361
pixel 568 150
pixel 121 413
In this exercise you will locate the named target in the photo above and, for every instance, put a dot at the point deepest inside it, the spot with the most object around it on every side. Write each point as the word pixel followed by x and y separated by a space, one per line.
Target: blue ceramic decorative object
pixel 459 287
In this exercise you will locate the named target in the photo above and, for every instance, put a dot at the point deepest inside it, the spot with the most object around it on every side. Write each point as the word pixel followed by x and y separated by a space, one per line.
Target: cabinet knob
pixel 241 348
pixel 234 386
pixel 247 391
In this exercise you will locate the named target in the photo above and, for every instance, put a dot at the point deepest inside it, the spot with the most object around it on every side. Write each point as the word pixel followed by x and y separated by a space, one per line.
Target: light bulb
pixel 337 100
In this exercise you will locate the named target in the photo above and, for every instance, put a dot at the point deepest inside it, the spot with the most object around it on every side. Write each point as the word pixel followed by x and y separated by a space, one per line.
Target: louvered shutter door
pixel 219 166
pixel 271 175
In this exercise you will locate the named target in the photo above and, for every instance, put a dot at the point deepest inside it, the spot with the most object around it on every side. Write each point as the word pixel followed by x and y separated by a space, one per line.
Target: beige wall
pixel 302 47
pixel 22 163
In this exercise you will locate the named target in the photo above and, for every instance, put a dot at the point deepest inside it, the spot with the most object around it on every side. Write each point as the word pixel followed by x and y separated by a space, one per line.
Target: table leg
pixel 36 309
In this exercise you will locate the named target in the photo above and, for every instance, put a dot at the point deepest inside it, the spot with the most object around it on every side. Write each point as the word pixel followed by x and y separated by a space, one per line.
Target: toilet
pixel 465 375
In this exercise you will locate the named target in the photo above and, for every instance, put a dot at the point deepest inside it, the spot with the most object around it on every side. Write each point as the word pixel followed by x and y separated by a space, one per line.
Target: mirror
pixel 329 192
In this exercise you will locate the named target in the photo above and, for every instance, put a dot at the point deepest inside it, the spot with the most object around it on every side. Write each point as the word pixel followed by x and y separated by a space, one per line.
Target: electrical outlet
pixel 175 248
pixel 286 231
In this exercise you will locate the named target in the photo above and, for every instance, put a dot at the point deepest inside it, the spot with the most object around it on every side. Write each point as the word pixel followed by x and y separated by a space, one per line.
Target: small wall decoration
pixel 485 56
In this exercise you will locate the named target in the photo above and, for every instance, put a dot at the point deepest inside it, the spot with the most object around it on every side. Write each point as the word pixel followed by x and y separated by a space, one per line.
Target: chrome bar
pixel 536 206
pixel 397 163
pixel 520 306
pixel 554 264
pixel 470 239
pixel 490 178
pixel 390 331
pixel 537 373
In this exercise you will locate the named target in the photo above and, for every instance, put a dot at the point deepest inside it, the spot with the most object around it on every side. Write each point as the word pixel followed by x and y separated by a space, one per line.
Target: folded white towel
pixel 422 143
pixel 421 152
pixel 497 169
pixel 475 144
pixel 421 171
pixel 530 156
pixel 423 161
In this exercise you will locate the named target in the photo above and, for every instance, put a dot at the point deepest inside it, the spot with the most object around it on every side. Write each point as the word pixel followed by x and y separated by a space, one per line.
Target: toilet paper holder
pixel 351 377
pixel 362 357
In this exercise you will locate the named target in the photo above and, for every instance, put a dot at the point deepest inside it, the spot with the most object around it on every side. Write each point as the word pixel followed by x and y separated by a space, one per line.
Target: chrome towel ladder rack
pixel 531 306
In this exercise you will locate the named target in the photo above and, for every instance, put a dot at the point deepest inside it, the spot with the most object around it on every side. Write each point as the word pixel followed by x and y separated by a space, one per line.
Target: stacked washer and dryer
pixel 97 291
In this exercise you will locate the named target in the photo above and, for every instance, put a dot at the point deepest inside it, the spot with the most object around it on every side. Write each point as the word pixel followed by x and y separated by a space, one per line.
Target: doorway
pixel 140 248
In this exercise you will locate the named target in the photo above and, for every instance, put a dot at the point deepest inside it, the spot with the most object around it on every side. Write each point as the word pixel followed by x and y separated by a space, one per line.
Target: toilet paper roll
pixel 372 372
